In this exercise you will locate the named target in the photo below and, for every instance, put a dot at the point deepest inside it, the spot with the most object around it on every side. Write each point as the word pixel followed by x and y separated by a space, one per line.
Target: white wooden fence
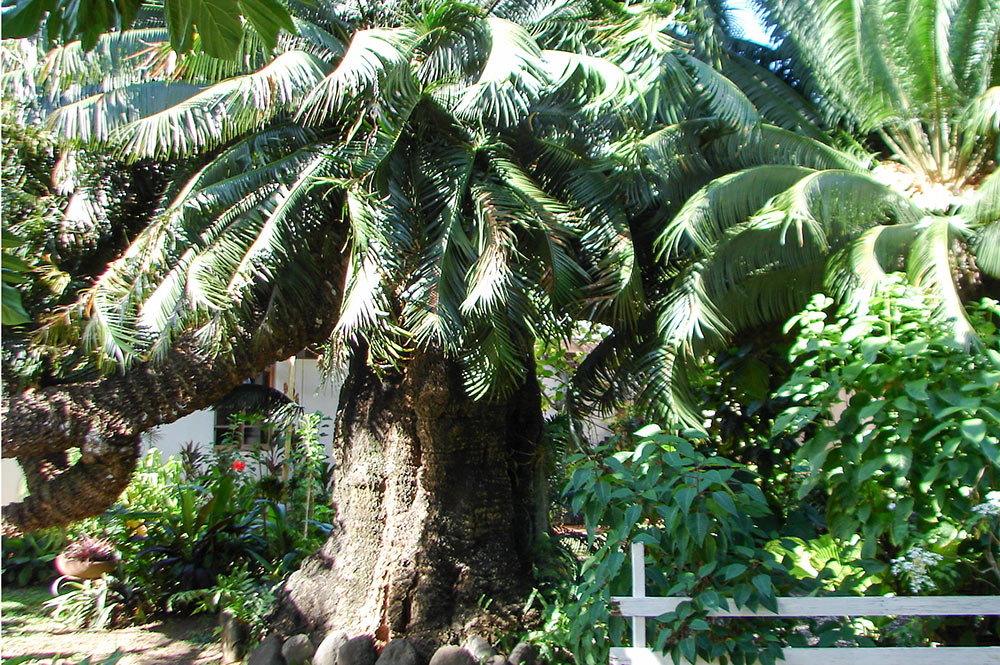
pixel 639 607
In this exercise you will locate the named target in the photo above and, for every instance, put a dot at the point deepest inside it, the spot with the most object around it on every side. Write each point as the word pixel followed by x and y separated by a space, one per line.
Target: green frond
pixel 642 35
pixel 95 119
pixel 445 251
pixel 984 205
pixel 312 37
pixel 689 316
pixel 372 56
pixel 666 394
pixel 537 13
pixel 847 46
pixel 929 265
pixel 200 67
pixel 491 278
pixel 110 332
pixel 825 207
pixel 986 246
pixel 972 30
pixel 223 111
pixel 365 304
pixel 777 103
pixel 607 377
pixel 494 365
pixel 982 214
pixel 721 98
pixel 769 296
pixel 615 290
pixel 982 115
pixel 114 54
pixel 596 83
pixel 511 79
pixel 723 203
pixel 855 272
pixel 455 40
pixel 548 220
pixel 275 240
pixel 672 153
pixel 774 145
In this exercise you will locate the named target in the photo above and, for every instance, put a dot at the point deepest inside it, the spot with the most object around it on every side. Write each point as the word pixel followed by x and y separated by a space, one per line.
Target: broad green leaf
pixel 219 27
pixel 180 16
pixel 973 429
pixel 268 18
pixel 13 312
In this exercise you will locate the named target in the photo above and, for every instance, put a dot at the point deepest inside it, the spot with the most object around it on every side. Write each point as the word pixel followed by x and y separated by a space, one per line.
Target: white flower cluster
pixel 915 564
pixel 991 507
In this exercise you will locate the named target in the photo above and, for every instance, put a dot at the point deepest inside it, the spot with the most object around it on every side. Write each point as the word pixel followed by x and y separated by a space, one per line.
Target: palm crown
pixel 876 153
pixel 466 158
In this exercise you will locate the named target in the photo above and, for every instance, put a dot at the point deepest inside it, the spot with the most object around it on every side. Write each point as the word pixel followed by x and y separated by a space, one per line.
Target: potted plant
pixel 87 558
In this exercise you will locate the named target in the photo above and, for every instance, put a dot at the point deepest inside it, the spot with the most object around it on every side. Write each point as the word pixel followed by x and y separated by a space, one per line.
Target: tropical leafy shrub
pixel 701 518
pixel 900 431
pixel 28 559
pixel 184 525
pixel 240 593
pixel 102 603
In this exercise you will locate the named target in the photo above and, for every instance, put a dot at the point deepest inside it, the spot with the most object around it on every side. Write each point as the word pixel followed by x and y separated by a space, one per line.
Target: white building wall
pixel 11 481
pixel 198 427
pixel 313 393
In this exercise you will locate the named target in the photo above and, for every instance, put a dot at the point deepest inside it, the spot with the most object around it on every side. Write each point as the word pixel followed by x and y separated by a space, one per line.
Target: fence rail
pixel 638 607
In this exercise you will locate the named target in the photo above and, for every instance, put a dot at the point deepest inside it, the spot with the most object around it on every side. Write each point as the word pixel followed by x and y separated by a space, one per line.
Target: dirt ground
pixel 26 632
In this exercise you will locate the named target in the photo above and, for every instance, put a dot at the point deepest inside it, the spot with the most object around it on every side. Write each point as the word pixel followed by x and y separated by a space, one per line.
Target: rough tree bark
pixel 438 498
pixel 104 417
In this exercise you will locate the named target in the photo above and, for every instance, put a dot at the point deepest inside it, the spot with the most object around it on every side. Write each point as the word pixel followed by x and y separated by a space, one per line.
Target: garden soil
pixel 180 641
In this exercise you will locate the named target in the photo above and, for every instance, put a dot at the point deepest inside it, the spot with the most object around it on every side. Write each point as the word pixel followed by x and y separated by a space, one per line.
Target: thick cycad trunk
pixel 437 497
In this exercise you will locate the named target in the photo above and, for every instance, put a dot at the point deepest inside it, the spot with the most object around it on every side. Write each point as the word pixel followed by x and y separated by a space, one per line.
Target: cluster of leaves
pixel 704 522
pixel 871 469
pixel 900 428
pixel 243 594
pixel 214 27
pixel 29 559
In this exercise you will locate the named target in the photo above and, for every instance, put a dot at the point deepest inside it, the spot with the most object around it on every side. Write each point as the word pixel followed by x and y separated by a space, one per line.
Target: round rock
pixel 268 652
pixel 479 648
pixel 523 654
pixel 329 648
pixel 399 652
pixel 357 651
pixel 297 650
pixel 452 655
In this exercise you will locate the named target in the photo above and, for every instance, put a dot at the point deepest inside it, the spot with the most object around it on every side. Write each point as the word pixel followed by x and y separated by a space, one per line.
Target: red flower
pixel 239 465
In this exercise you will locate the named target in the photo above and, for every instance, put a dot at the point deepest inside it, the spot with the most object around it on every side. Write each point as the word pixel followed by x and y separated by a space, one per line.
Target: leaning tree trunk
pixel 437 499
pixel 105 417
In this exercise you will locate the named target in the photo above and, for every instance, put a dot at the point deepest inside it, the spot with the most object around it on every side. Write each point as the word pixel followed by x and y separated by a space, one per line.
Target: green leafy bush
pixel 28 559
pixel 900 431
pixel 700 517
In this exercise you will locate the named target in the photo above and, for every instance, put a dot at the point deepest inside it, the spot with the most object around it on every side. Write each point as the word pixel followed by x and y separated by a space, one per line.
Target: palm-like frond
pixel 596 83
pixel 511 78
pixel 722 204
pixel 929 265
pixel 774 145
pixel 373 56
pixel 722 98
pixel 96 118
pixel 982 214
pixel 223 111
pixel 777 103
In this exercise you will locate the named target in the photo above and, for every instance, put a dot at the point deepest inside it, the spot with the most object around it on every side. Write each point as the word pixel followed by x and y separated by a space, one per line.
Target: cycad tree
pixel 462 159
pixel 876 153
